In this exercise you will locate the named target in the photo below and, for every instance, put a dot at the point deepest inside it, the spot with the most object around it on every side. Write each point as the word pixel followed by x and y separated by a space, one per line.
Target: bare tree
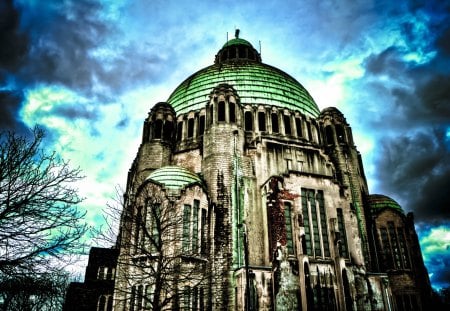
pixel 162 264
pixel 42 292
pixel 39 219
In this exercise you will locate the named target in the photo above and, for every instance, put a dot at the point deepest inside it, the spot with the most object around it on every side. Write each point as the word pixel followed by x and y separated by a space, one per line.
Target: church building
pixel 244 195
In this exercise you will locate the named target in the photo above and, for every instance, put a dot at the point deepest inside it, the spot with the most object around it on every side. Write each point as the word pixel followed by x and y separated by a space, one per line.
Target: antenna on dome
pixel 259 48
pixel 236 33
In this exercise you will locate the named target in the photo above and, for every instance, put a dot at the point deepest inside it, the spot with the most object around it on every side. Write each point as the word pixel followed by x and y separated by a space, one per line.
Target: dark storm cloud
pixel 10 103
pixel 413 158
pixel 75 45
pixel 417 168
pixel 14 43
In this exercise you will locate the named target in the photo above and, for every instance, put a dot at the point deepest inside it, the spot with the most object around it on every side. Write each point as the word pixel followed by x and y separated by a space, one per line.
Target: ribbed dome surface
pixel 379 201
pixel 237 41
pixel 255 83
pixel 174 177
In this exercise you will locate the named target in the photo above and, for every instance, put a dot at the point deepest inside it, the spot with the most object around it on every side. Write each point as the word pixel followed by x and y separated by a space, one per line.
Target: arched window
pixel 211 114
pixel 101 303
pixel 329 134
pixel 308 288
pixel 308 127
pixel 261 121
pixel 109 303
pixel 232 112
pixel 287 124
pixel 248 121
pixel 157 129
pixel 347 293
pixel 340 133
pixel 180 131
pixel 298 125
pixel 221 108
pixel 202 125
pixel 190 128
pixel 275 127
pixel 168 130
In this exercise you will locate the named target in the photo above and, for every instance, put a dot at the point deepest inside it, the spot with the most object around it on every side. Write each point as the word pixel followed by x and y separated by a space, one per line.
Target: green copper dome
pixel 377 202
pixel 174 177
pixel 239 65
pixel 237 41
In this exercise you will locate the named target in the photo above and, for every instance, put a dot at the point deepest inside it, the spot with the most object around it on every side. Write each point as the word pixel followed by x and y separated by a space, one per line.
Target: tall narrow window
pixel 323 224
pixel 201 299
pixel 101 303
pixel 340 133
pixel 157 129
pixel 388 259
pixel 186 298
pixel 194 298
pixel 190 127
pixel 274 119
pixel 155 224
pixel 306 223
pixel 298 125
pixel 221 111
pixel 168 130
pixel 308 127
pixel 288 221
pixel 186 228
pixel 287 124
pixel 203 232
pixel 261 121
pixel 148 296
pixel 394 244
pixel 343 238
pixel 211 114
pixel 138 228
pixel 232 112
pixel 109 303
pixel 202 125
pixel 329 134
pixel 248 121
pixel 132 298
pixel 180 131
pixel 195 226
pixel 315 224
pixel 403 249
pixel 140 294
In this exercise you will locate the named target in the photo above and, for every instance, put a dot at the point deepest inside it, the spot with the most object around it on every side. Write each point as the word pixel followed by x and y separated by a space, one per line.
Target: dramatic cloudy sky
pixel 90 70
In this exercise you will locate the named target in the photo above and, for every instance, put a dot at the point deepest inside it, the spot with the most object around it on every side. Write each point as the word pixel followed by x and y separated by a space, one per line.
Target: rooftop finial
pixel 236 33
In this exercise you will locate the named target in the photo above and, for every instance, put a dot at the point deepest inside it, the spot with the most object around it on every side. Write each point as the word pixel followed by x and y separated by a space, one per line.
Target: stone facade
pixel 272 203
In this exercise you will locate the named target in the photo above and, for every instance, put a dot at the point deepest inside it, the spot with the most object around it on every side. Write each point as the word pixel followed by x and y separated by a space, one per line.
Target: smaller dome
pixel 237 41
pixel 174 177
pixel 377 202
